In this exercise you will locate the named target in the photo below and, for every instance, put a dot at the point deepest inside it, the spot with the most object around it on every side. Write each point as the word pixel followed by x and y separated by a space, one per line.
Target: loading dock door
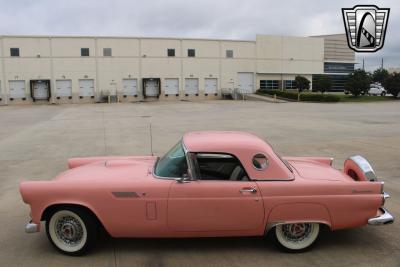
pixel 171 86
pixel 130 87
pixel 246 83
pixel 210 86
pixel 151 88
pixel 17 89
pixel 63 88
pixel 191 86
pixel 40 90
pixel 86 87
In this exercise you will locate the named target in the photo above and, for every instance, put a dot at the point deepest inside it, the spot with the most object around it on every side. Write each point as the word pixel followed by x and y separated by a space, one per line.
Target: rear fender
pixel 298 212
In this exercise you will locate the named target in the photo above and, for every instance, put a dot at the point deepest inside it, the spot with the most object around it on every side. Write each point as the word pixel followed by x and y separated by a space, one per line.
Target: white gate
pixel 17 89
pixel 191 86
pixel 246 82
pixel 86 87
pixel 171 86
pixel 210 86
pixel 130 87
pixel 63 88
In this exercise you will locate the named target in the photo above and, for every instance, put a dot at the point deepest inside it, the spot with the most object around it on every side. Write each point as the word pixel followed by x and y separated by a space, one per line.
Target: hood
pixel 316 169
pixel 109 168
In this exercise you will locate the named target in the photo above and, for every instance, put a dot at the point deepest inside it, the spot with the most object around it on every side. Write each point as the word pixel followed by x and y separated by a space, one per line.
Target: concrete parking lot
pixel 36 141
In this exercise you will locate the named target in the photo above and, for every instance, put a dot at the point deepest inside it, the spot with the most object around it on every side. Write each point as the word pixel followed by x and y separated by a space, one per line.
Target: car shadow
pixel 328 240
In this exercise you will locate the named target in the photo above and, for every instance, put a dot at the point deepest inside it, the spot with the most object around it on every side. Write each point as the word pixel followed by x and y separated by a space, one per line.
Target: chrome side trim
pixel 384 218
pixel 125 194
pixel 31 227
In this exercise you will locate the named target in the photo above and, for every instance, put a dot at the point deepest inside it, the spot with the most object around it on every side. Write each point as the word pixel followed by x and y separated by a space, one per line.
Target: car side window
pixel 219 166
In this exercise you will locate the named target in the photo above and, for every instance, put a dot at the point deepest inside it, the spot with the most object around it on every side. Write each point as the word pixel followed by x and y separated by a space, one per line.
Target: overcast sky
pixel 224 19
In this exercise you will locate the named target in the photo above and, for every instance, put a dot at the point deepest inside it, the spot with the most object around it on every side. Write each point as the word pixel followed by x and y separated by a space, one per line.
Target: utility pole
pixel 382 64
pixel 363 65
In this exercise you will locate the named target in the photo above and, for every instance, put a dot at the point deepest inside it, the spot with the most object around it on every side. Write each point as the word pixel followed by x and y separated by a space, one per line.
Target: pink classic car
pixel 210 184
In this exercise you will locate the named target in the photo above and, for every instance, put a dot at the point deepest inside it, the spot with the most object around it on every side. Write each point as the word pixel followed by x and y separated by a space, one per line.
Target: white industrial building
pixel 79 69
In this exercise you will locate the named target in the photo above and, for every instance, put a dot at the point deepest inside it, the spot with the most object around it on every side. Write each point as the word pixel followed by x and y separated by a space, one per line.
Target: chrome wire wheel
pixel 67 231
pixel 297 236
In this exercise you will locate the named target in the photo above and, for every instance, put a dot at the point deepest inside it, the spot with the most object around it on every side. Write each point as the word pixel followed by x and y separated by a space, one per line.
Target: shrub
pixel 302 83
pixel 358 82
pixel 392 84
pixel 303 96
pixel 319 97
pixel 322 84
pixel 380 75
pixel 284 94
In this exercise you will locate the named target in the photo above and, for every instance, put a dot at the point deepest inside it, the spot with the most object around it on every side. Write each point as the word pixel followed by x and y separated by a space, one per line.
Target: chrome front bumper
pixel 384 218
pixel 31 227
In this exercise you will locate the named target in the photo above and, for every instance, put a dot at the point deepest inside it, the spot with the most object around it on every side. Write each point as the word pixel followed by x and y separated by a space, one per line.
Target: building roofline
pixel 326 35
pixel 151 38
pixel 123 37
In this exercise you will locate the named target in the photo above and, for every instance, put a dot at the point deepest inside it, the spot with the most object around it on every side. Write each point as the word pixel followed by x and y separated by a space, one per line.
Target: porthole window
pixel 260 162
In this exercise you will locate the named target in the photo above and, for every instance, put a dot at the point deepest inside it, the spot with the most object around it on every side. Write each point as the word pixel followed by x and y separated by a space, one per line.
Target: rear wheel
pixel 71 230
pixel 296 237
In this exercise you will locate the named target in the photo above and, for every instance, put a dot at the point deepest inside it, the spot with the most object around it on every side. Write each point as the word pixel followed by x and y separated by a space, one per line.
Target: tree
pixel 322 84
pixel 358 82
pixel 302 83
pixel 392 84
pixel 380 75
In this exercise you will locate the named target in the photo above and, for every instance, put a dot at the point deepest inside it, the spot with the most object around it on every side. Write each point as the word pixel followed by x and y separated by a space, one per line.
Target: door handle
pixel 248 190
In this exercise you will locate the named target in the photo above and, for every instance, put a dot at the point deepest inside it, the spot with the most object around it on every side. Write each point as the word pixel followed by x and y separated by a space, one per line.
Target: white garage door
pixel 191 86
pixel 63 88
pixel 151 88
pixel 17 89
pixel 130 87
pixel 210 86
pixel 246 83
pixel 40 90
pixel 171 86
pixel 86 87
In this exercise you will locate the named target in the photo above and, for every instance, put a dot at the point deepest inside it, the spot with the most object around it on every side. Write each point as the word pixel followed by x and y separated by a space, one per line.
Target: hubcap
pixel 296 232
pixel 69 230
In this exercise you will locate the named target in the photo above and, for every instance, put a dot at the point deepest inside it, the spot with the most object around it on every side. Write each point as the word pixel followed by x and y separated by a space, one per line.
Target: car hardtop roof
pixel 224 141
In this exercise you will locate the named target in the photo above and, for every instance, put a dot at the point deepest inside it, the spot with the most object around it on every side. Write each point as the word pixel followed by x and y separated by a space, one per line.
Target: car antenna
pixel 151 141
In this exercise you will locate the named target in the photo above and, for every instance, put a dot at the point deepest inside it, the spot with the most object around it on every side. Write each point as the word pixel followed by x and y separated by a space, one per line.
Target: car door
pixel 214 205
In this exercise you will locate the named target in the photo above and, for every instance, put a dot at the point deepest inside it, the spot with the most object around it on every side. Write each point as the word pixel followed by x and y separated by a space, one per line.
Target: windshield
pixel 173 163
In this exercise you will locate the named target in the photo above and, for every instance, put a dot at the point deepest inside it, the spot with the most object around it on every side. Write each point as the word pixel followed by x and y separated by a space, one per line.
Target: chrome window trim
pixel 260 169
pixel 153 172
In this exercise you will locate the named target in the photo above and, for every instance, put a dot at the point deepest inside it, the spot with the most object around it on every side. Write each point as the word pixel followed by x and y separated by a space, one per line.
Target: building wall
pixel 336 48
pixel 339 60
pixel 59 58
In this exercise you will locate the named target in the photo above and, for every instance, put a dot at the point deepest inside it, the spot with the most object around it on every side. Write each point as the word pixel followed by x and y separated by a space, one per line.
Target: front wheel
pixel 296 237
pixel 71 230
pixel 383 93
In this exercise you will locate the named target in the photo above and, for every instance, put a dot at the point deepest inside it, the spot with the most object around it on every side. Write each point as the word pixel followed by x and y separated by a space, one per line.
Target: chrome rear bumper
pixel 31 227
pixel 384 218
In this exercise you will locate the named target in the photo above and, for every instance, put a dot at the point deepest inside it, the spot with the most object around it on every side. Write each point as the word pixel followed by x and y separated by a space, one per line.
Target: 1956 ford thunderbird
pixel 210 184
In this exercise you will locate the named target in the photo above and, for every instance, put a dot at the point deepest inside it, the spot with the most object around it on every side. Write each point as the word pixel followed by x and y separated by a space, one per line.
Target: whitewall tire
pixel 296 237
pixel 71 230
